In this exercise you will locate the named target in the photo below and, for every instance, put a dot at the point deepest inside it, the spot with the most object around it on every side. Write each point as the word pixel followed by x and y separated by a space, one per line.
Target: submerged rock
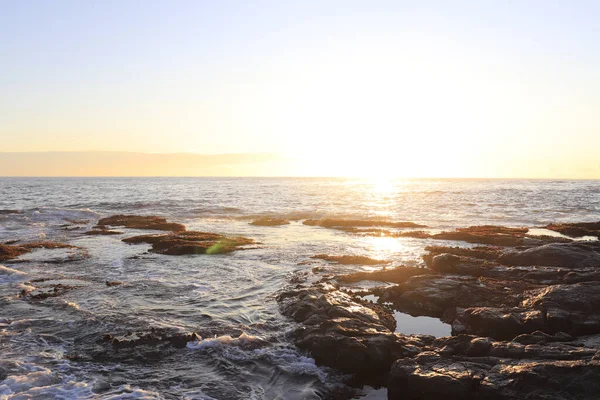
pixel 350 260
pixel 268 221
pixel 6 212
pixel 141 222
pixel 140 346
pixel 191 242
pixel 94 232
pixel 356 223
pixel 44 288
pixel 8 252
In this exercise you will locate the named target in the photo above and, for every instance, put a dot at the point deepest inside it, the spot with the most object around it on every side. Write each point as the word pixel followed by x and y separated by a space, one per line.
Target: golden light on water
pixel 383 185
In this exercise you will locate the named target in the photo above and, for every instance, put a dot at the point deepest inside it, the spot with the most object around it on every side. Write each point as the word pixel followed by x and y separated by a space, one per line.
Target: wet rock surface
pixel 45 288
pixel 269 221
pixel 140 222
pixel 11 251
pixel 577 229
pixel 339 332
pixel 567 255
pixel 485 234
pixel 94 232
pixel 191 242
pixel 395 275
pixel 143 347
pixel 525 315
pixel 430 375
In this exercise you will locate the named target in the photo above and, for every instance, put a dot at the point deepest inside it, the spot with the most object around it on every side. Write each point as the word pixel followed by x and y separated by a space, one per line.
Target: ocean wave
pixel 9 274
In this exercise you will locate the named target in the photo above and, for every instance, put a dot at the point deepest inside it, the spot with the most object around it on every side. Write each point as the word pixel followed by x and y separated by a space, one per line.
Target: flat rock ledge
pixel 191 242
pixel 140 222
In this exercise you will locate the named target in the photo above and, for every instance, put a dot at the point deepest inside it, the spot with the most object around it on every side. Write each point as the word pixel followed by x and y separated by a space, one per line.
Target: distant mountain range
pixel 111 163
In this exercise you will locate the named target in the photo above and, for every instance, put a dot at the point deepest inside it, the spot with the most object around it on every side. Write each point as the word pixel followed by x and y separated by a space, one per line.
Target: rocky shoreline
pixel 524 311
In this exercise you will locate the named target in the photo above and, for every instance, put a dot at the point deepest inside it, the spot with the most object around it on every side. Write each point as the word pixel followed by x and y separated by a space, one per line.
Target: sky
pixel 341 88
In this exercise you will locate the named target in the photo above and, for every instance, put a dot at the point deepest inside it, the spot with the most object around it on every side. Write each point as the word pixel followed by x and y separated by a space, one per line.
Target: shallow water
pixel 229 300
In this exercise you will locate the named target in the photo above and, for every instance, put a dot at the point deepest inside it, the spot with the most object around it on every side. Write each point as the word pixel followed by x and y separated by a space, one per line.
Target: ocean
pixel 52 348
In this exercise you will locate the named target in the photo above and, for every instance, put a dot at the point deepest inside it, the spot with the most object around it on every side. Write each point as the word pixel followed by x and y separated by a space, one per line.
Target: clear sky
pixel 387 88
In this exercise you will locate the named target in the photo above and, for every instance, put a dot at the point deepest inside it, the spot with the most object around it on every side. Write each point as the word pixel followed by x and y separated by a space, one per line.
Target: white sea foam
pixel 128 392
pixel 241 340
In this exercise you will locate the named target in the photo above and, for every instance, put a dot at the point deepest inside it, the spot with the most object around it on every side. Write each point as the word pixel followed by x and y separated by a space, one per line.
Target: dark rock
pixel 102 232
pixel 539 337
pixel 191 242
pixel 452 264
pixel 144 346
pixel 339 332
pixel 569 255
pixel 268 221
pixel 576 229
pixel 498 323
pixel 487 234
pixel 78 221
pixel 439 295
pixel 574 309
pixel 113 283
pixel 46 292
pixel 141 222
pixel 432 376
pixel 5 212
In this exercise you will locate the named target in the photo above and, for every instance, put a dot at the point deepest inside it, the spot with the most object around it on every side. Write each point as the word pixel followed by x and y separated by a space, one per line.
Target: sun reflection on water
pixel 384 247
pixel 382 186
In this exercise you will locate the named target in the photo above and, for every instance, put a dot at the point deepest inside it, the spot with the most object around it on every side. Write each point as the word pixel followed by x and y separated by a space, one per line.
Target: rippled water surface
pixel 49 348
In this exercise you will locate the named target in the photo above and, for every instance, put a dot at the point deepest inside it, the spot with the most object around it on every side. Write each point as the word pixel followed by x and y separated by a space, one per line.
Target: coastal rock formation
pixel 341 333
pixel 140 222
pixel 269 221
pixel 439 296
pixel 191 242
pixel 566 255
pixel 524 313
